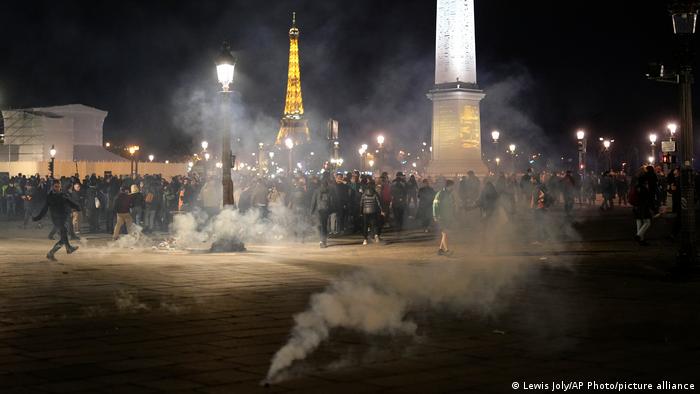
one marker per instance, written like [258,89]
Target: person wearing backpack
[322,205]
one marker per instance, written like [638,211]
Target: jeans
[369,220]
[137,215]
[642,227]
[398,216]
[151,219]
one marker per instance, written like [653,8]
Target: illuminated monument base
[456,131]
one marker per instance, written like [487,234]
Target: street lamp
[107,144]
[672,127]
[151,157]
[652,139]
[380,140]
[651,160]
[205,145]
[495,135]
[225,66]
[511,149]
[581,144]
[684,16]
[606,145]
[52,152]
[134,160]
[289,143]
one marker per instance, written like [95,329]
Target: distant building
[74,130]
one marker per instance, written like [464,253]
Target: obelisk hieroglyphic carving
[456,129]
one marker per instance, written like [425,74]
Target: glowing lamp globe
[225,65]
[652,138]
[289,143]
[580,135]
[52,152]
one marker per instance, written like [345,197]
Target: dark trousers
[369,220]
[398,216]
[323,225]
[63,240]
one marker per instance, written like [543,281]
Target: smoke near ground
[381,300]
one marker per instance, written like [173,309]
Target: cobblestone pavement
[594,306]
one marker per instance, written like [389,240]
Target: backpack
[149,197]
[324,201]
[633,196]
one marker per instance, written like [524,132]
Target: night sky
[547,67]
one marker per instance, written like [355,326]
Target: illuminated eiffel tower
[293,125]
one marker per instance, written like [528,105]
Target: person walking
[58,204]
[444,215]
[643,208]
[138,205]
[371,208]
[122,207]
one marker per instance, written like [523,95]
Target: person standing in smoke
[122,207]
[424,215]
[399,196]
[297,203]
[444,215]
[322,205]
[568,190]
[59,206]
[371,208]
[488,204]
[538,204]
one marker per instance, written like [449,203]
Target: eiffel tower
[293,125]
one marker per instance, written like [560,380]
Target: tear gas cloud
[381,299]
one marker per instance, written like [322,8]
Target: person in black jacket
[399,195]
[59,205]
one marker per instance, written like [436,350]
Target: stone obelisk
[456,129]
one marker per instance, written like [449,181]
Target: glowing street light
[511,148]
[651,160]
[495,135]
[380,140]
[52,152]
[225,66]
[219,164]
[580,135]
[167,162]
[207,156]
[371,163]
[107,144]
[151,157]
[205,145]
[652,138]
[672,127]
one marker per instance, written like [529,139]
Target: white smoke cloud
[378,301]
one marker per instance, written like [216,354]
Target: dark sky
[547,67]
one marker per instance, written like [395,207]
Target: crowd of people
[341,203]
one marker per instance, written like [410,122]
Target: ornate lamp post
[581,144]
[652,139]
[511,149]
[134,160]
[52,165]
[225,66]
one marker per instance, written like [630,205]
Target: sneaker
[51,257]
[72,249]
[364,242]
[440,252]
[323,245]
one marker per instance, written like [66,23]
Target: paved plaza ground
[592,306]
